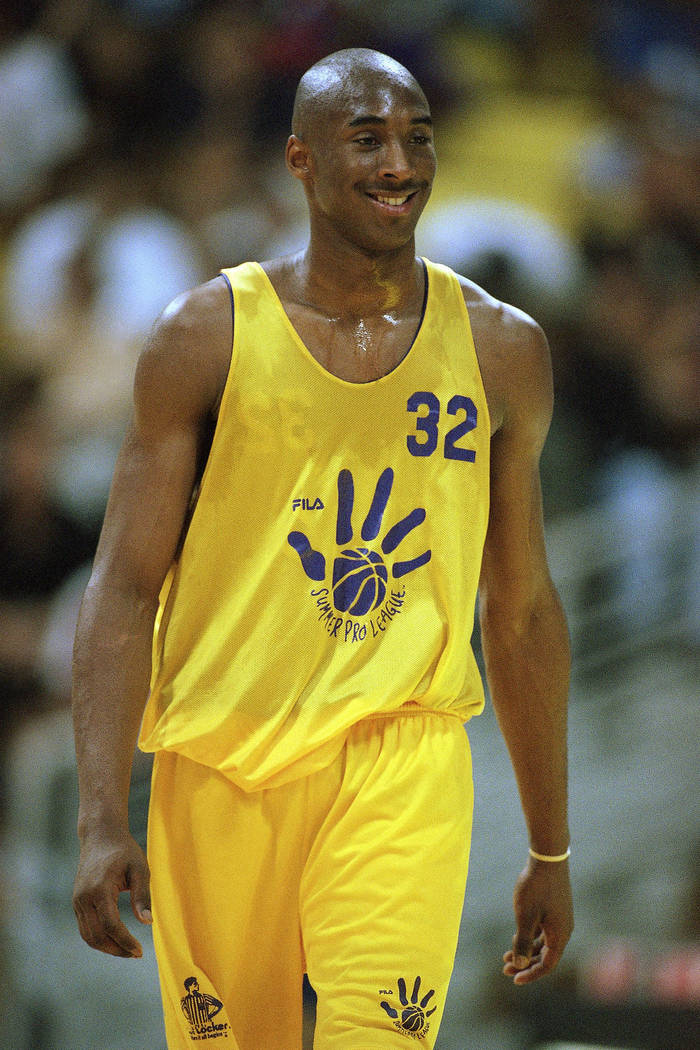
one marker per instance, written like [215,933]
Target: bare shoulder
[514,359]
[283,273]
[185,362]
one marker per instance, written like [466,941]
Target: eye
[366,139]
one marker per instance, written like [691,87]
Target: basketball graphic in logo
[412,1019]
[359,581]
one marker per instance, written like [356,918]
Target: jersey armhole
[233,305]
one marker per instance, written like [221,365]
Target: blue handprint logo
[360,575]
[412,1018]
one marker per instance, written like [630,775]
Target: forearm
[112,662]
[528,676]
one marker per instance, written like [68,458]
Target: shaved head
[342,77]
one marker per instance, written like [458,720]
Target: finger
[537,946]
[115,937]
[511,967]
[108,946]
[110,941]
[139,886]
[524,941]
[540,965]
[101,928]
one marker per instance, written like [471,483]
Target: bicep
[514,568]
[178,381]
[514,562]
[150,494]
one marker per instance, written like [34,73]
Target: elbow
[110,587]
[507,608]
[502,626]
[512,620]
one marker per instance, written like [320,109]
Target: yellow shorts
[355,875]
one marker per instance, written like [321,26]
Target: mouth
[396,203]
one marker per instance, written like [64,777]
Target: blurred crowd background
[141,149]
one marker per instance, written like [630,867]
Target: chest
[357,350]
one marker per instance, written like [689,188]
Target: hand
[544,916]
[110,865]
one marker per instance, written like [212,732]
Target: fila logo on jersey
[308,504]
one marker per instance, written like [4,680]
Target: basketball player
[329,454]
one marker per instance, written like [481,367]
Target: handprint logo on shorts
[412,1018]
[360,575]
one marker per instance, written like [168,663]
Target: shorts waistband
[413,710]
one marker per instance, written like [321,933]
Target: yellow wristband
[550,860]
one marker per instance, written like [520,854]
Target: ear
[298,158]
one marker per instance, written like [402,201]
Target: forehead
[373,95]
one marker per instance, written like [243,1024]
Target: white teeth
[391,200]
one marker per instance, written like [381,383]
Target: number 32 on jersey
[428,428]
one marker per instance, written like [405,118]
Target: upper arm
[179,379]
[514,568]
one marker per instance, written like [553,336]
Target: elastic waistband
[413,710]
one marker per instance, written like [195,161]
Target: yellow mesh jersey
[330,568]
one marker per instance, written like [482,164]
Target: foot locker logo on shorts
[201,1009]
[409,1015]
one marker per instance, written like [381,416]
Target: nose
[395,164]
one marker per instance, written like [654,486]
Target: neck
[349,281]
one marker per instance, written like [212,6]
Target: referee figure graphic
[198,1007]
[331,454]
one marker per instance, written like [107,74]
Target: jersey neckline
[317,364]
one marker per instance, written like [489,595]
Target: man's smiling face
[371,159]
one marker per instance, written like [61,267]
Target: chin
[380,242]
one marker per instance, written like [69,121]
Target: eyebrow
[369,118]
